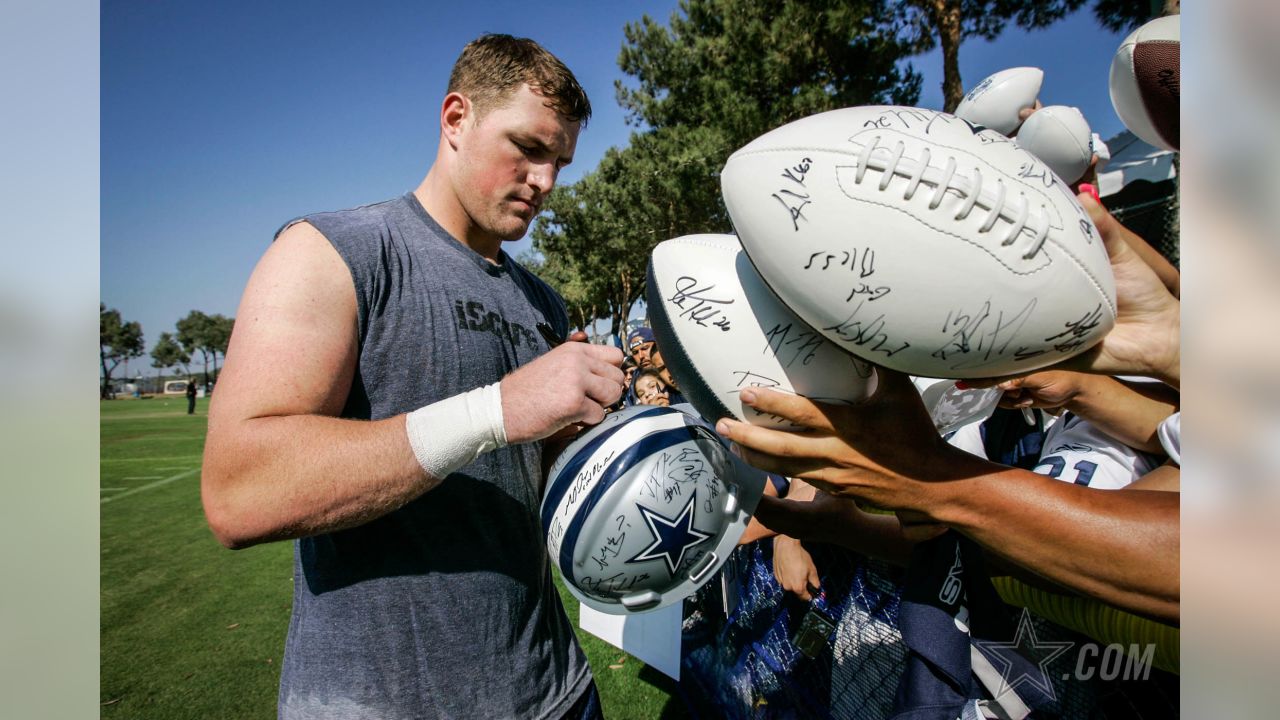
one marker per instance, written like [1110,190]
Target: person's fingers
[591,412]
[603,353]
[791,467]
[1010,400]
[604,391]
[795,408]
[1109,228]
[750,437]
[803,593]
[606,370]
[577,336]
[984,383]
[813,584]
[566,432]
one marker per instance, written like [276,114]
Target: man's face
[643,355]
[508,160]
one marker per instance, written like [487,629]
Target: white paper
[651,637]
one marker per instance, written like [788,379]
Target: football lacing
[1016,210]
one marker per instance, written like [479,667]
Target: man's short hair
[491,67]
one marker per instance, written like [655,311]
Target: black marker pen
[549,335]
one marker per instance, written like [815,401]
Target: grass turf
[192,630]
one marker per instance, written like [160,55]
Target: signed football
[1146,81]
[921,242]
[644,508]
[995,102]
[721,329]
[1060,136]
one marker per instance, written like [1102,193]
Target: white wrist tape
[448,434]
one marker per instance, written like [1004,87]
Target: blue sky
[220,121]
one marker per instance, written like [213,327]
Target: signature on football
[696,304]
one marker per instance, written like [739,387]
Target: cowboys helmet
[644,508]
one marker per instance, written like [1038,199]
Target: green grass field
[192,630]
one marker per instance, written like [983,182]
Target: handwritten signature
[866,333]
[695,304]
[796,172]
[802,344]
[1078,332]
[978,336]
[616,583]
[794,202]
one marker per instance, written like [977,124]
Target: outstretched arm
[1128,412]
[1120,546]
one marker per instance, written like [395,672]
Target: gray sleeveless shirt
[444,608]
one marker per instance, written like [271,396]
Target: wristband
[448,434]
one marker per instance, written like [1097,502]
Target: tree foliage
[168,353]
[720,74]
[1126,15]
[747,66]
[207,335]
[598,232]
[925,24]
[117,341]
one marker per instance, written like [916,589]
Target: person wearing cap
[647,355]
[641,347]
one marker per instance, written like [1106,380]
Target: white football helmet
[644,508]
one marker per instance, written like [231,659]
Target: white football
[994,103]
[1060,136]
[721,329]
[1146,81]
[921,242]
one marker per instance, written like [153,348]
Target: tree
[117,341]
[219,336]
[923,24]
[598,233]
[207,335]
[745,67]
[1126,15]
[167,353]
[724,72]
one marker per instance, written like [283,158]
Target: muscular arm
[1119,546]
[278,464]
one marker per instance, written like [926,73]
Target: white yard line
[146,477]
[149,486]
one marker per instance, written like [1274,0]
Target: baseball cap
[639,336]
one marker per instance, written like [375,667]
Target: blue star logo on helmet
[671,537]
